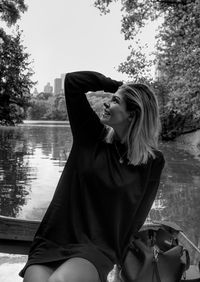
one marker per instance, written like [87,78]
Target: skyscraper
[48,88]
[63,80]
[57,85]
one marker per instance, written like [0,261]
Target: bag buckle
[155,253]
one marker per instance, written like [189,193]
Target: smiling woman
[99,202]
[133,117]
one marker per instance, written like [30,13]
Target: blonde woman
[107,186]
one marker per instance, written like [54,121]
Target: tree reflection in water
[179,192]
[23,150]
[14,171]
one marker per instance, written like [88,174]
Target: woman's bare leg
[37,273]
[75,270]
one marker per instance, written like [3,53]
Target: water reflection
[31,161]
[14,172]
[32,158]
[179,192]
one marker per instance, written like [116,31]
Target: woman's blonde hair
[142,136]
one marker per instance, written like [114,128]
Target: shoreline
[190,142]
[45,122]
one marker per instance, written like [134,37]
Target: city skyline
[56,88]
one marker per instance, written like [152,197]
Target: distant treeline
[47,106]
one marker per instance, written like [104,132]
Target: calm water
[32,158]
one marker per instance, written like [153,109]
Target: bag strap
[187,259]
[155,272]
[155,265]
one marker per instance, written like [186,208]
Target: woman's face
[115,113]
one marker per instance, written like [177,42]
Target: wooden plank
[14,247]
[17,229]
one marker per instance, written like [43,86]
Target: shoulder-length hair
[142,135]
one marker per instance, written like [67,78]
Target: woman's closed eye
[115,99]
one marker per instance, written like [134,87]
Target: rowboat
[16,236]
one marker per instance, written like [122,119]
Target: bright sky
[69,35]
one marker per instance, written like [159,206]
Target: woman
[107,186]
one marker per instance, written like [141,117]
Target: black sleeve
[149,194]
[85,124]
[157,166]
[150,191]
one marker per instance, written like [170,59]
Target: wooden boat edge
[17,229]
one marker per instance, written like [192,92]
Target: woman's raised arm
[85,124]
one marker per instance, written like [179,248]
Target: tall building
[57,85]
[63,80]
[48,88]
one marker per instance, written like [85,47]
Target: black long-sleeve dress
[99,202]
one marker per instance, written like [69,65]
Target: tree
[97,99]
[15,82]
[178,53]
[47,107]
[177,56]
[37,109]
[10,11]
[44,96]
[135,15]
[15,71]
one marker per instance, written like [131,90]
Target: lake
[32,157]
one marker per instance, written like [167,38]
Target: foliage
[177,56]
[135,15]
[45,106]
[96,100]
[15,70]
[15,82]
[137,65]
[10,10]
[44,96]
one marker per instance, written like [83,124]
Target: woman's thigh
[75,270]
[37,273]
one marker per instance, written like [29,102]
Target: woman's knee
[75,270]
[37,273]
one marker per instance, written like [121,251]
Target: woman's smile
[106,113]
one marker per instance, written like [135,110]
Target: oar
[191,243]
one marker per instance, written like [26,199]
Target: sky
[64,35]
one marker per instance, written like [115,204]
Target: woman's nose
[106,105]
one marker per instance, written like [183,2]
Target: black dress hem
[101,262]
